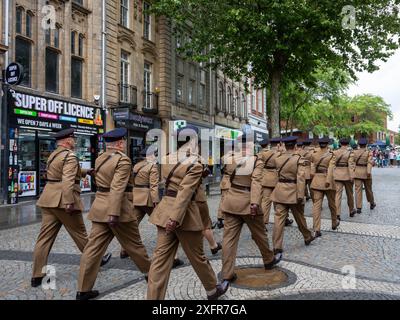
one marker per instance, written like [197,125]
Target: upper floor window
[28,24]
[80,45]
[259,100]
[80,2]
[51,70]
[124,13]
[48,36]
[57,37]
[221,96]
[229,100]
[235,102]
[146,21]
[253,99]
[23,55]
[73,40]
[243,106]
[18,21]
[125,68]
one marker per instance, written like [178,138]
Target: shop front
[138,125]
[33,120]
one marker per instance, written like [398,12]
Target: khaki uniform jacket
[185,180]
[363,163]
[63,166]
[284,192]
[114,174]
[226,159]
[145,173]
[344,167]
[307,153]
[323,160]
[248,174]
[270,175]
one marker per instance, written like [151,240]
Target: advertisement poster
[86,183]
[27,183]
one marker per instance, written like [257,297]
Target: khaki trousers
[266,203]
[220,214]
[52,220]
[368,191]
[281,213]
[163,259]
[308,189]
[348,186]
[232,229]
[100,237]
[318,198]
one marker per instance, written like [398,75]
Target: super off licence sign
[14,73]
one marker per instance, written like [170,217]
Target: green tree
[327,83]
[272,41]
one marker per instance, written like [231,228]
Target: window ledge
[77,57]
[54,49]
[20,36]
[80,8]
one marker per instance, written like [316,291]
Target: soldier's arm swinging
[70,169]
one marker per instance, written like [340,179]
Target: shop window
[51,70]
[23,56]
[76,77]
[147,21]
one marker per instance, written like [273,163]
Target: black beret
[275,140]
[115,135]
[324,140]
[64,134]
[344,141]
[264,142]
[307,142]
[289,140]
[299,143]
[363,142]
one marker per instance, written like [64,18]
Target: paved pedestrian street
[358,261]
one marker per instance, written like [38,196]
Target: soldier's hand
[300,200]
[327,184]
[70,208]
[206,172]
[113,221]
[253,210]
[368,175]
[91,172]
[171,226]
[155,204]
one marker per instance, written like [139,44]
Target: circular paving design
[259,278]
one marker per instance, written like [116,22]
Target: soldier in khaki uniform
[322,167]
[289,194]
[224,184]
[112,214]
[145,182]
[344,176]
[242,205]
[306,152]
[270,176]
[362,174]
[60,203]
[178,220]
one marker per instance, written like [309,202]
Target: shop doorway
[136,145]
[46,145]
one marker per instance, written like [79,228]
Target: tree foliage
[285,39]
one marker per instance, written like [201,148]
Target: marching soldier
[145,188]
[270,177]
[179,220]
[60,203]
[242,205]
[344,176]
[322,184]
[111,214]
[289,194]
[306,152]
[362,174]
[224,184]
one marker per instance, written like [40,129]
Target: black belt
[287,181]
[322,171]
[236,186]
[142,186]
[342,165]
[171,193]
[101,189]
[58,181]
[362,165]
[270,168]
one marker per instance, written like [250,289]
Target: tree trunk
[276,78]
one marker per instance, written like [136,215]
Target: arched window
[235,103]
[220,97]
[81,44]
[229,100]
[18,20]
[28,24]
[243,108]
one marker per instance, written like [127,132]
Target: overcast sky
[385,83]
